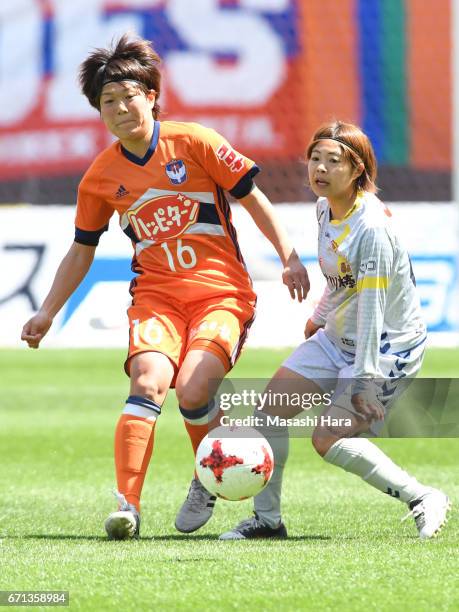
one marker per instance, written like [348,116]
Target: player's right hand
[311,329]
[367,409]
[36,328]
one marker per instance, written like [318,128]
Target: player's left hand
[295,276]
[370,411]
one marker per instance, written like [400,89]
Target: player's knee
[148,387]
[322,440]
[193,394]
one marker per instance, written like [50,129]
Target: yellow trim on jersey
[373,282]
[344,234]
[355,207]
[341,259]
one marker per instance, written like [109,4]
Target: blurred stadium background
[264,73]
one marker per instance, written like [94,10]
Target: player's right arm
[318,318]
[71,271]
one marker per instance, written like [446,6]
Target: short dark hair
[130,59]
[356,147]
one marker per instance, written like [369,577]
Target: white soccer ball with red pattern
[234,462]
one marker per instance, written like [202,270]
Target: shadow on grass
[212,537]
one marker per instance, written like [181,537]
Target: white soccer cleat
[125,523]
[196,509]
[430,513]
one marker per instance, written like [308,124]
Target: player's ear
[359,170]
[151,97]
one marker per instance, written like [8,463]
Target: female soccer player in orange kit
[192,299]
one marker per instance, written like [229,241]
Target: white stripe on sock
[207,418]
[140,411]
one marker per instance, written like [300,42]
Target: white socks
[356,455]
[268,502]
[363,458]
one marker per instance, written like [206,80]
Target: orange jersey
[172,207]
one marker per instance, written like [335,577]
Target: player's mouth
[321,183]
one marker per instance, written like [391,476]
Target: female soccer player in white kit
[365,339]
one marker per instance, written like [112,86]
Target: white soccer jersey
[370,305]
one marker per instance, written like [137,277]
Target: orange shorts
[162,324]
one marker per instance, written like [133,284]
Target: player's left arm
[261,210]
[376,263]
[234,172]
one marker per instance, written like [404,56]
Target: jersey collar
[357,204]
[141,161]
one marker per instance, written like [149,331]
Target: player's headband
[118,79]
[341,141]
[101,79]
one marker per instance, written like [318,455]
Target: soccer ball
[234,462]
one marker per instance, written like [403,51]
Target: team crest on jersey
[176,171]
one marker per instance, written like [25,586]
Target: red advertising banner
[234,65]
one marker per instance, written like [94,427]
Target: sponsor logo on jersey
[176,171]
[121,192]
[233,160]
[339,282]
[164,217]
[368,265]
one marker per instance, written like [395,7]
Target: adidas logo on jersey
[122,191]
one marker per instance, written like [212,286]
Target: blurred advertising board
[34,239]
[264,73]
[238,84]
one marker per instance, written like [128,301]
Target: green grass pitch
[347,548]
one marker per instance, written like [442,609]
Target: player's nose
[122,108]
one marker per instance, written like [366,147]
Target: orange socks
[199,422]
[196,433]
[134,437]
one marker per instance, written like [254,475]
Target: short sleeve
[226,166]
[93,212]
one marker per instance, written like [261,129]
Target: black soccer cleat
[254,528]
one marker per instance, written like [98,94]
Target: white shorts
[321,361]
